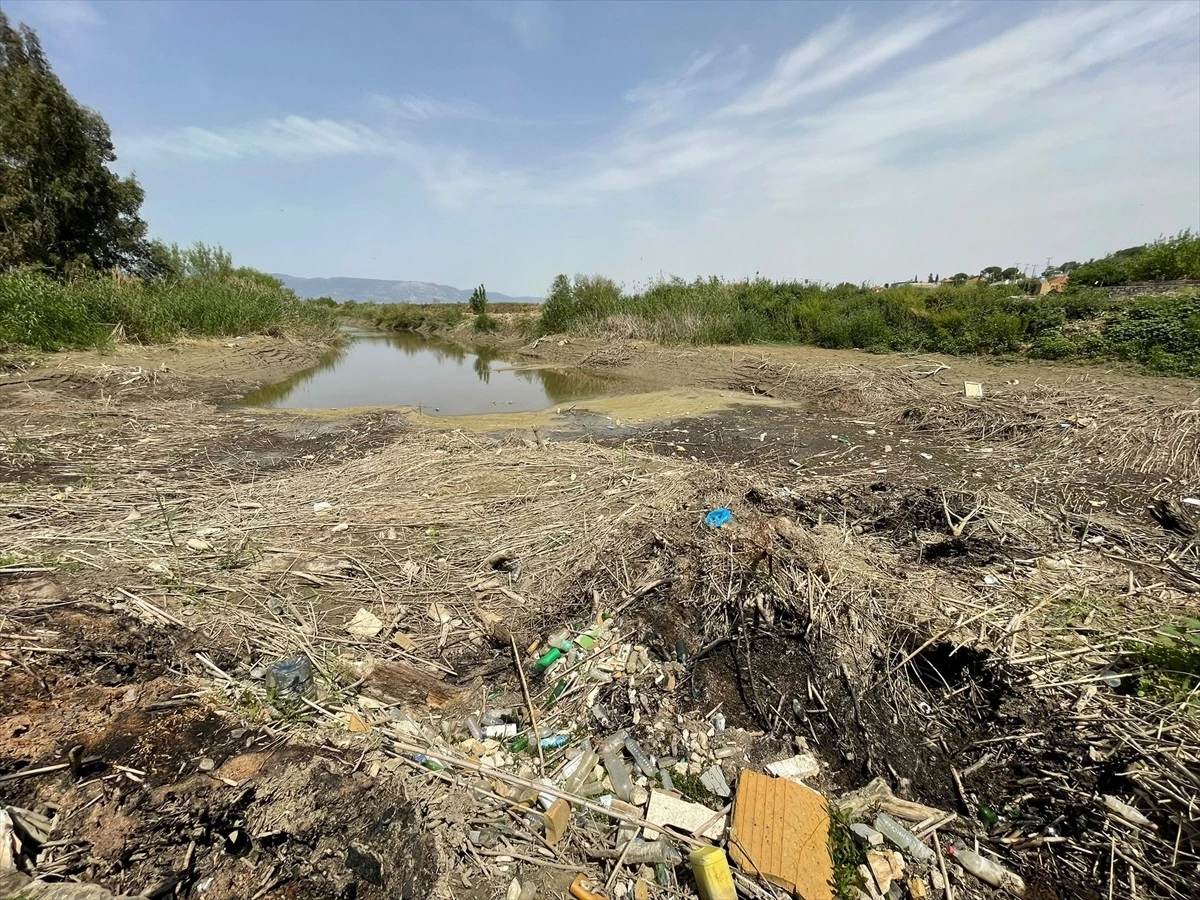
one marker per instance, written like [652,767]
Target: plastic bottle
[681,650]
[650,852]
[501,731]
[989,871]
[472,724]
[600,712]
[290,679]
[612,743]
[619,775]
[554,741]
[1127,812]
[902,838]
[549,658]
[558,638]
[711,871]
[431,764]
[557,692]
[519,743]
[495,716]
[667,783]
[639,756]
[725,752]
[578,770]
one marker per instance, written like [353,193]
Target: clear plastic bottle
[650,852]
[578,770]
[902,838]
[639,756]
[612,743]
[989,871]
[472,724]
[619,775]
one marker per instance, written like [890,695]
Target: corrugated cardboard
[781,830]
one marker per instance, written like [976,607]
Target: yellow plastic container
[711,871]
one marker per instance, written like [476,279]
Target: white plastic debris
[339,528]
[323,506]
[714,780]
[799,767]
[365,624]
[665,809]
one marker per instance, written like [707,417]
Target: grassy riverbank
[40,312]
[1160,332]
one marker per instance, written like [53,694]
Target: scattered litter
[198,544]
[780,830]
[365,624]
[1192,501]
[718,517]
[323,506]
[666,809]
[290,679]
[1127,812]
[714,780]
[339,528]
[926,456]
[797,768]
[988,871]
[972,389]
[711,871]
[900,836]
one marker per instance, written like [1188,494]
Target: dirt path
[961,597]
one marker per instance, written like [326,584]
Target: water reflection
[405,369]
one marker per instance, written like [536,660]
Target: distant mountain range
[377,290]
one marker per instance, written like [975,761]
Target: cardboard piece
[780,830]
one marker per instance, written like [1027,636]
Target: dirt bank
[961,597]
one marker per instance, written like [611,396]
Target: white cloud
[419,108]
[292,137]
[1077,127]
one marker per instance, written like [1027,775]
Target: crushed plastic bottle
[554,741]
[667,782]
[639,756]
[578,770]
[291,678]
[619,776]
[547,659]
[902,838]
[988,871]
[600,714]
[650,852]
[1128,813]
[431,764]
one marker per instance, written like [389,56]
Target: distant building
[1055,285]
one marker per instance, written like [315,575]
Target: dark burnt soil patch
[254,444]
[172,797]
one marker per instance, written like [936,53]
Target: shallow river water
[376,368]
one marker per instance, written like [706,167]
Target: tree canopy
[61,207]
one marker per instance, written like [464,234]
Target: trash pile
[591,779]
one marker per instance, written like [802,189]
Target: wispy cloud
[419,108]
[1062,110]
[291,137]
[794,76]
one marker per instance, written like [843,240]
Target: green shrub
[485,324]
[1158,333]
[38,311]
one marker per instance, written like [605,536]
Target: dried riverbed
[957,596]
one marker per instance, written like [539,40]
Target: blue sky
[503,143]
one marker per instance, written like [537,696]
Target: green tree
[961,278]
[478,301]
[991,273]
[1012,273]
[60,204]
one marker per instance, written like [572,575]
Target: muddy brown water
[377,368]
